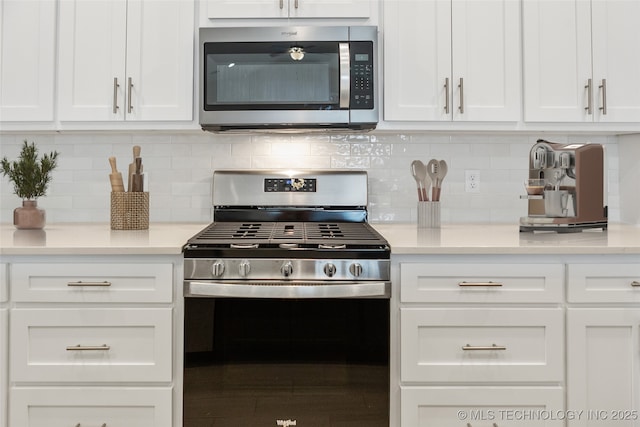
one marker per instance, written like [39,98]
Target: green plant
[30,177]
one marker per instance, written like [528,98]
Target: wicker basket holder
[130,210]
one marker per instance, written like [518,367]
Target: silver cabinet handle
[589,106]
[88,347]
[296,4]
[81,283]
[115,95]
[103,425]
[603,86]
[635,284]
[345,75]
[461,86]
[281,4]
[471,284]
[483,347]
[129,103]
[446,95]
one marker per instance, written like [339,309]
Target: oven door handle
[277,290]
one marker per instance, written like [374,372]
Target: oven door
[286,289]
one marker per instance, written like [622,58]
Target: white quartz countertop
[507,239]
[96,239]
[169,238]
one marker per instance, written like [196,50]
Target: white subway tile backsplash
[179,168]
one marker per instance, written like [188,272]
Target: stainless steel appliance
[294,285]
[261,78]
[566,188]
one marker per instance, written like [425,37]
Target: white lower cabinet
[91,341]
[603,343]
[91,345]
[94,407]
[481,406]
[603,376]
[462,345]
[481,342]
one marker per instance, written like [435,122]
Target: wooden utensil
[432,171]
[117,186]
[416,172]
[137,179]
[132,166]
[442,172]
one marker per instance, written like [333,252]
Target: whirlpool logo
[286,423]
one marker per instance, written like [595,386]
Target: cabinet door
[288,9]
[27,62]
[91,77]
[616,59]
[417,64]
[247,9]
[68,407]
[486,82]
[159,60]
[329,8]
[603,362]
[557,60]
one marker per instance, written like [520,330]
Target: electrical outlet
[472,181]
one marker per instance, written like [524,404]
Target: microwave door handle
[345,75]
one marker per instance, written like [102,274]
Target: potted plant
[30,178]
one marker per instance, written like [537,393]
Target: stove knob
[287,269]
[355,269]
[218,268]
[244,268]
[329,269]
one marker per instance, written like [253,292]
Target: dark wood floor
[312,394]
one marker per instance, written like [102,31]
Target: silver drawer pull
[81,283]
[103,425]
[469,284]
[483,347]
[635,284]
[79,347]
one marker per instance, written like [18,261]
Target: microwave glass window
[307,77]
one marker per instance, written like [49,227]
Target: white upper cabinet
[452,60]
[288,9]
[126,60]
[27,60]
[581,61]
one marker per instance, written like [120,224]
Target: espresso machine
[566,188]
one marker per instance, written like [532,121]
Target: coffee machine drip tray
[558,225]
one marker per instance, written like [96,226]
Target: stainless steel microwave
[262,78]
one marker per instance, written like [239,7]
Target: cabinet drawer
[91,407]
[4,287]
[94,282]
[493,283]
[91,345]
[481,406]
[604,283]
[457,345]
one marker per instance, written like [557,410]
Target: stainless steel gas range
[289,288]
[285,234]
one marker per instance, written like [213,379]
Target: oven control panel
[288,185]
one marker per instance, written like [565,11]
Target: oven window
[316,362]
[271,76]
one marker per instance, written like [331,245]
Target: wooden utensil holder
[130,210]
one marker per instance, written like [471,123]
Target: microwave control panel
[361,75]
